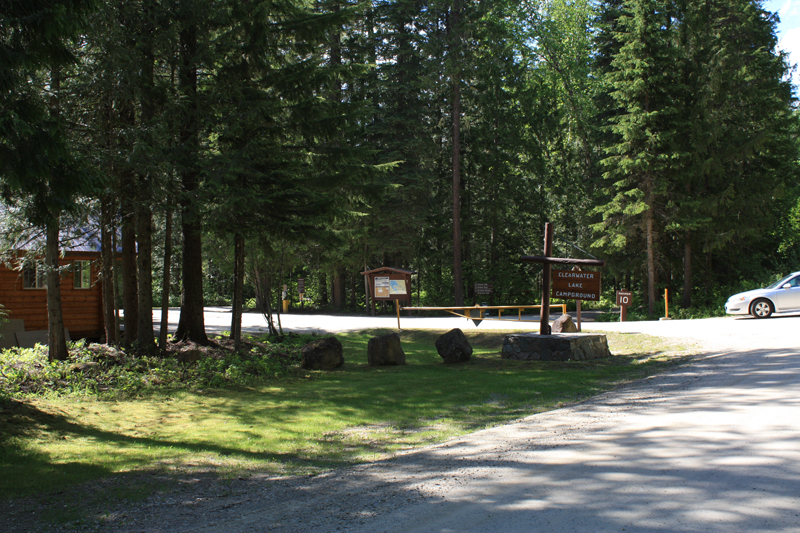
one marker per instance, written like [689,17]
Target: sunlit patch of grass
[308,424]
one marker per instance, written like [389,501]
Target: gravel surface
[711,446]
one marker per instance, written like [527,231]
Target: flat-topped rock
[385,350]
[559,347]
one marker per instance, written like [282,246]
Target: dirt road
[713,446]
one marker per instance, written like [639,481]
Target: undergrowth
[111,372]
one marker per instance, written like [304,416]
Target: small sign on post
[624,299]
[483,289]
[301,290]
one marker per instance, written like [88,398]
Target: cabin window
[33,278]
[82,274]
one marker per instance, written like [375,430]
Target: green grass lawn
[307,424]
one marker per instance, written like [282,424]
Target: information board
[382,287]
[397,287]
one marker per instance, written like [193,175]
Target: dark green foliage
[700,145]
[322,134]
[38,164]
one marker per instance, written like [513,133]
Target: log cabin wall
[82,307]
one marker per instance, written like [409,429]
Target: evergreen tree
[40,169]
[637,161]
[737,154]
[284,167]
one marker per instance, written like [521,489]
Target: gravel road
[712,446]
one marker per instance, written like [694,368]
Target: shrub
[95,369]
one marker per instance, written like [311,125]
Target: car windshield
[780,282]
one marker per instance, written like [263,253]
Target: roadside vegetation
[230,414]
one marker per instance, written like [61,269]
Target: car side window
[794,282]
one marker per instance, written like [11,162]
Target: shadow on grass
[23,471]
[371,411]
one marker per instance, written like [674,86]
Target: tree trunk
[130,302]
[166,280]
[144,267]
[263,286]
[107,258]
[55,319]
[144,211]
[57,350]
[191,325]
[455,47]
[115,284]
[338,290]
[370,310]
[493,208]
[467,272]
[687,273]
[108,232]
[238,290]
[651,261]
[493,259]
[323,289]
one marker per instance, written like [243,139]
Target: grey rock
[454,347]
[324,354]
[385,350]
[564,324]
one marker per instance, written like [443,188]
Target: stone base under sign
[569,347]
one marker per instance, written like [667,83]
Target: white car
[780,297]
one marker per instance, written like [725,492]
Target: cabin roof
[75,237]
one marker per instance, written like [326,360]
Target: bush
[95,369]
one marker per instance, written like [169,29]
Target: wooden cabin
[23,294]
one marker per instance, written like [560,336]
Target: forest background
[227,148]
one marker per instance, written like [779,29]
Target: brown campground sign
[576,285]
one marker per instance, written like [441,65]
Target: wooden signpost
[548,262]
[483,289]
[624,299]
[301,290]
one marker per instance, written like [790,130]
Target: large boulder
[324,354]
[453,347]
[564,324]
[385,350]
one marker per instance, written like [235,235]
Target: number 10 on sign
[624,299]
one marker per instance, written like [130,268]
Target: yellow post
[397,306]
[666,303]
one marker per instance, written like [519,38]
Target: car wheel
[762,309]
